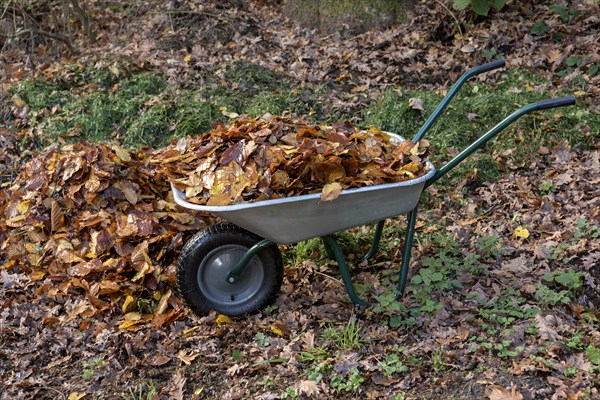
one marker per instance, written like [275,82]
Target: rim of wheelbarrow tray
[179,199]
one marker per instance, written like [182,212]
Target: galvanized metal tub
[297,218]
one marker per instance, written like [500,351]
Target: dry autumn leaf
[500,393]
[331,191]
[521,232]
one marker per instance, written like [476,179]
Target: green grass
[486,105]
[140,108]
[117,100]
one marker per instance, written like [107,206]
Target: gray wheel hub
[212,275]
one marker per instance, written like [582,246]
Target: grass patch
[476,109]
[118,102]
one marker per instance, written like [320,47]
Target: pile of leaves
[273,157]
[91,217]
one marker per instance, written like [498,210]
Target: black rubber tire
[207,258]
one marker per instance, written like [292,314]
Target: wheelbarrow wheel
[210,255]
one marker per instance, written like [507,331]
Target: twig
[50,35]
[453,16]
[85,20]
[330,277]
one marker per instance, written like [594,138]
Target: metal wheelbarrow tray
[294,219]
[236,268]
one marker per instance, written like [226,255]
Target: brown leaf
[500,393]
[159,361]
[416,104]
[56,216]
[307,387]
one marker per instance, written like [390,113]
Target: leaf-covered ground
[503,295]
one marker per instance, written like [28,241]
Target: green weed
[261,339]
[481,7]
[349,383]
[392,365]
[314,354]
[91,367]
[508,308]
[347,338]
[585,229]
[142,392]
[290,393]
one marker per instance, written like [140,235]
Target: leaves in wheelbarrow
[274,157]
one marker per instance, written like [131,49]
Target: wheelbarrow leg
[375,240]
[333,248]
[410,234]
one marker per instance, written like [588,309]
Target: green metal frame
[332,247]
[235,273]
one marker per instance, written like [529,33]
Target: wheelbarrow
[236,267]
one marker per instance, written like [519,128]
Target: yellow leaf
[528,88]
[223,319]
[228,113]
[129,324]
[342,77]
[522,232]
[133,316]
[331,191]
[187,58]
[76,396]
[37,275]
[280,328]
[128,300]
[163,303]
[23,206]
[19,102]
[580,93]
[121,152]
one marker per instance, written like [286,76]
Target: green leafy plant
[92,366]
[392,365]
[564,12]
[547,296]
[508,308]
[539,28]
[593,354]
[488,246]
[290,393]
[261,339]
[481,7]
[492,54]
[505,349]
[570,279]
[317,372]
[350,382]
[585,229]
[547,187]
[573,64]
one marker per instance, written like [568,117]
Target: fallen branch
[50,35]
